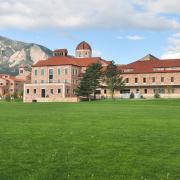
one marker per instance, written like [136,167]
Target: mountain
[14,53]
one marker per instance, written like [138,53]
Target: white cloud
[70,14]
[173,50]
[176,35]
[135,38]
[131,38]
[160,6]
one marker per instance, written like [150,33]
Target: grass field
[97,140]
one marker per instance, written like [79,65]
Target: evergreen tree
[113,79]
[90,81]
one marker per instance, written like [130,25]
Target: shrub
[132,95]
[21,94]
[15,95]
[156,95]
[8,97]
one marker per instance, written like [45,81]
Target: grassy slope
[98,140]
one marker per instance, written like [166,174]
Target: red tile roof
[149,66]
[66,60]
[83,45]
[16,79]
[12,78]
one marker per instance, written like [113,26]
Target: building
[55,79]
[151,75]
[9,85]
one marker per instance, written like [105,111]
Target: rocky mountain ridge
[15,53]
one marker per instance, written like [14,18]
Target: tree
[84,88]
[113,79]
[90,81]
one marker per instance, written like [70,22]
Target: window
[76,72]
[136,80]
[162,79]
[73,71]
[59,71]
[67,91]
[59,81]
[98,91]
[127,80]
[105,91]
[172,79]
[128,70]
[35,72]
[35,82]
[161,90]
[27,91]
[52,91]
[145,91]
[21,71]
[59,91]
[74,91]
[66,71]
[34,91]
[51,75]
[125,91]
[144,80]
[42,81]
[153,79]
[42,72]
[137,90]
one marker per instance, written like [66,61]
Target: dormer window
[128,70]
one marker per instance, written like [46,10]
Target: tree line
[94,75]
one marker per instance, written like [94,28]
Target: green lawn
[98,140]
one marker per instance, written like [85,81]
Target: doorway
[43,93]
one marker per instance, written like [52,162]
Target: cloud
[80,14]
[135,38]
[173,49]
[131,38]
[160,6]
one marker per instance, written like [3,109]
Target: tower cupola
[83,50]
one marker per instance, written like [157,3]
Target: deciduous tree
[113,79]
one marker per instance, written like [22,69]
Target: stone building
[55,79]
[9,85]
[151,75]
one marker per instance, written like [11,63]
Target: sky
[119,30]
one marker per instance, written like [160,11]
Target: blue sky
[117,30]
